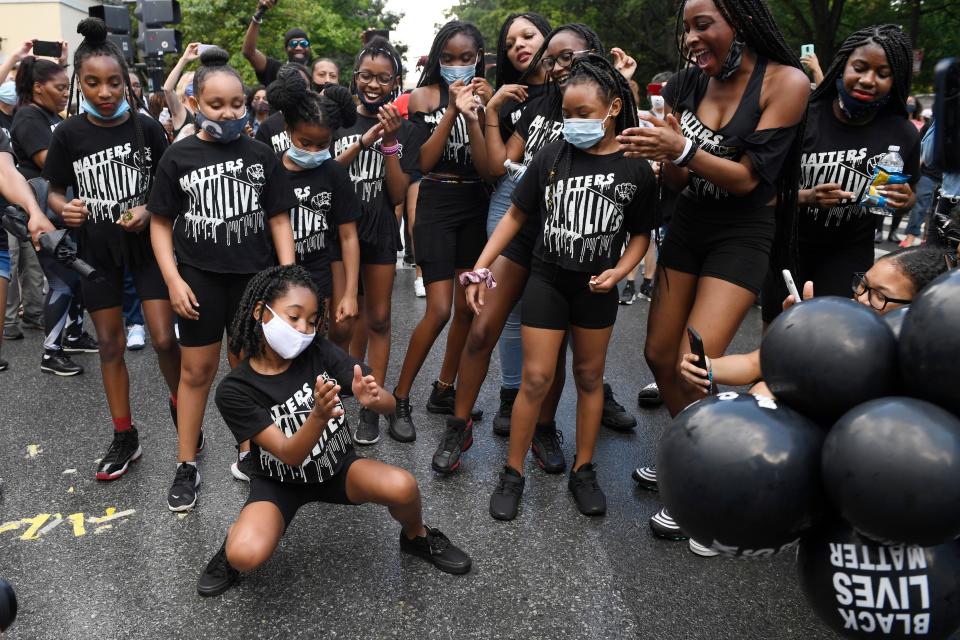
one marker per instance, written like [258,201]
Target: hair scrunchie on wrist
[478,276]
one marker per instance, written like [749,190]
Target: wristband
[255,18]
[689,149]
[478,276]
[390,151]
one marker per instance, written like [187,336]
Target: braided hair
[597,70]
[899,51]
[506,73]
[95,43]
[380,46]
[920,264]
[212,61]
[33,71]
[431,70]
[246,331]
[291,94]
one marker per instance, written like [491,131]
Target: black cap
[294,33]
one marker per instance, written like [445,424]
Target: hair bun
[93,30]
[289,89]
[214,57]
[341,97]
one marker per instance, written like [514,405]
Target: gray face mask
[731,63]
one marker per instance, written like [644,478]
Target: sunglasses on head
[301,42]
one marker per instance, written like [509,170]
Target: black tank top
[457,158]
[766,148]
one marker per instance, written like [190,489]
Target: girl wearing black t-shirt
[451,207]
[108,156]
[587,198]
[327,208]
[856,114]
[284,398]
[220,210]
[380,150]
[730,144]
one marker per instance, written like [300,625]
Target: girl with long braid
[586,197]
[108,156]
[856,114]
[380,151]
[284,398]
[451,207]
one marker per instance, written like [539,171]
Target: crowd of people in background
[530,196]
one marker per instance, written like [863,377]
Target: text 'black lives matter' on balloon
[828,355]
[930,343]
[863,589]
[741,474]
[892,469]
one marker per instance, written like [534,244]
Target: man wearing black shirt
[295,41]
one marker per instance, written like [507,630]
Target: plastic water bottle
[891,162]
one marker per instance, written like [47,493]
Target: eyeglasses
[304,43]
[383,79]
[876,298]
[564,59]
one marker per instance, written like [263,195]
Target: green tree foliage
[334,27]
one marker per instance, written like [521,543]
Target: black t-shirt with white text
[31,132]
[457,156]
[107,172]
[834,151]
[5,147]
[251,402]
[325,200]
[588,211]
[273,133]
[536,129]
[6,122]
[219,197]
[378,225]
[511,111]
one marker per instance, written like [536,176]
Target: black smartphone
[47,49]
[946,114]
[696,348]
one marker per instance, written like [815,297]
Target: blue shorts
[5,264]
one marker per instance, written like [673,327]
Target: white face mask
[285,339]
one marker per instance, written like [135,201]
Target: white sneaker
[701,550]
[419,289]
[136,338]
[235,468]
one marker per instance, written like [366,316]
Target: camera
[56,244]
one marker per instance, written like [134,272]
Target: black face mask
[733,60]
[374,106]
[858,109]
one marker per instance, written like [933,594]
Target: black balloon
[867,590]
[930,343]
[892,469]
[894,319]
[741,474]
[825,356]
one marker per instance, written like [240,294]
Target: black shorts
[369,253]
[556,298]
[729,245]
[520,249]
[289,496]
[451,227]
[218,295]
[107,290]
[830,268]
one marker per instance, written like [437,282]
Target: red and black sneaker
[124,449]
[456,439]
[546,447]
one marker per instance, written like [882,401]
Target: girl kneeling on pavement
[283,397]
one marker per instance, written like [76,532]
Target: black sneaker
[85,343]
[456,439]
[400,423]
[60,364]
[629,293]
[124,449]
[183,493]
[218,575]
[666,527]
[615,416]
[645,477]
[4,365]
[201,440]
[586,491]
[649,397]
[443,400]
[368,431]
[437,548]
[646,290]
[506,497]
[546,448]
[501,421]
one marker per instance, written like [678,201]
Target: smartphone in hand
[791,285]
[696,348]
[806,50]
[47,48]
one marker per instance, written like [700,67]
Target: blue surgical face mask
[451,73]
[308,159]
[8,92]
[119,111]
[583,133]
[223,131]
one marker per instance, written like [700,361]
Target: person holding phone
[295,42]
[586,197]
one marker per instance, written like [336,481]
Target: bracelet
[478,276]
[494,125]
[689,149]
[390,151]
[254,18]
